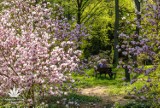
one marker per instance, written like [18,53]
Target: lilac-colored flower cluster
[135,45]
[147,43]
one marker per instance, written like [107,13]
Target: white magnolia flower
[14,92]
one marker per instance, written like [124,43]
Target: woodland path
[108,100]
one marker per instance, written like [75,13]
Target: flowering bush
[37,50]
[147,44]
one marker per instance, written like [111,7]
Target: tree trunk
[127,74]
[115,59]
[157,19]
[79,4]
[138,9]
[68,15]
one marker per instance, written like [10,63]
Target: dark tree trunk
[79,4]
[127,74]
[115,59]
[157,19]
[138,9]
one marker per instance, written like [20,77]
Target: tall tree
[116,26]
[79,8]
[138,13]
[157,6]
[138,21]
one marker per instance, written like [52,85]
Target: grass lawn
[114,86]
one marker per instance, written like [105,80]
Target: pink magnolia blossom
[36,51]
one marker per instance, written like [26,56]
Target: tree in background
[146,45]
[138,21]
[115,59]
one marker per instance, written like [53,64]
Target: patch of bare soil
[108,100]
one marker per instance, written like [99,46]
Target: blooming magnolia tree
[37,51]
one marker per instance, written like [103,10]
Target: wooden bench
[104,70]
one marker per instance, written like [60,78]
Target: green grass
[113,86]
[118,86]
[89,80]
[83,98]
[73,98]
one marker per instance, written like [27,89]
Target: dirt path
[107,99]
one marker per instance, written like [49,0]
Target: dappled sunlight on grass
[107,88]
[113,86]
